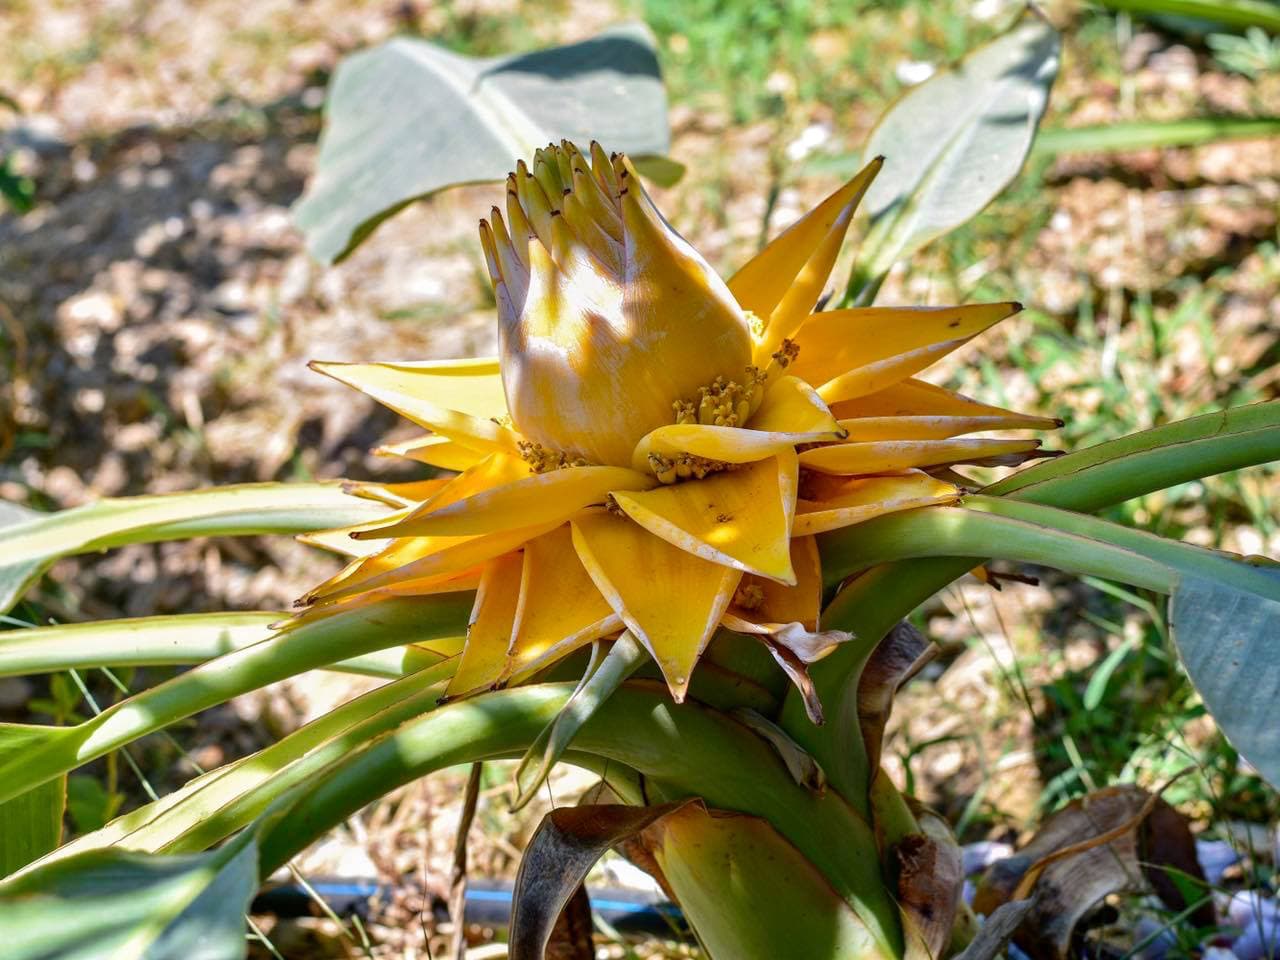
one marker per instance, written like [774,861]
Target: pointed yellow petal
[460,582]
[858,499]
[435,450]
[728,444]
[560,607]
[741,518]
[452,397]
[484,658]
[792,406]
[915,410]
[493,472]
[917,398]
[441,556]
[543,498]
[889,456]
[782,283]
[670,599]
[768,602]
[856,352]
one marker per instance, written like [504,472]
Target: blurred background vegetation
[157,309]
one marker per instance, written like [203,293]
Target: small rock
[1260,939]
[1248,908]
[1161,936]
[1215,857]
[978,856]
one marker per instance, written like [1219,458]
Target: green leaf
[31,825]
[409,118]
[176,640]
[681,750]
[1114,137]
[952,144]
[211,807]
[113,904]
[28,548]
[598,684]
[88,802]
[1150,460]
[1234,13]
[1229,643]
[31,755]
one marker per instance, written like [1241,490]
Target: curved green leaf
[1233,13]
[1151,460]
[51,751]
[1145,135]
[952,144]
[28,548]
[409,118]
[179,640]
[1086,480]
[680,749]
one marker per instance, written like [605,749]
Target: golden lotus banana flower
[654,449]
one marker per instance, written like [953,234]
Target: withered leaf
[1121,839]
[563,849]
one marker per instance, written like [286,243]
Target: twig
[458,879]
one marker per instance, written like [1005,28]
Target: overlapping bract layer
[655,449]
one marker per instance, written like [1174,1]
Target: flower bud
[608,318]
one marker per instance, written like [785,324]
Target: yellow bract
[655,449]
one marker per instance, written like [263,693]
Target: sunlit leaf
[953,143]
[409,118]
[112,904]
[29,547]
[31,825]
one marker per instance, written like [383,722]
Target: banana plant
[677,525]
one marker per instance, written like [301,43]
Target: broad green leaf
[952,144]
[31,825]
[1114,137]
[29,548]
[1233,13]
[409,118]
[113,904]
[1229,643]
